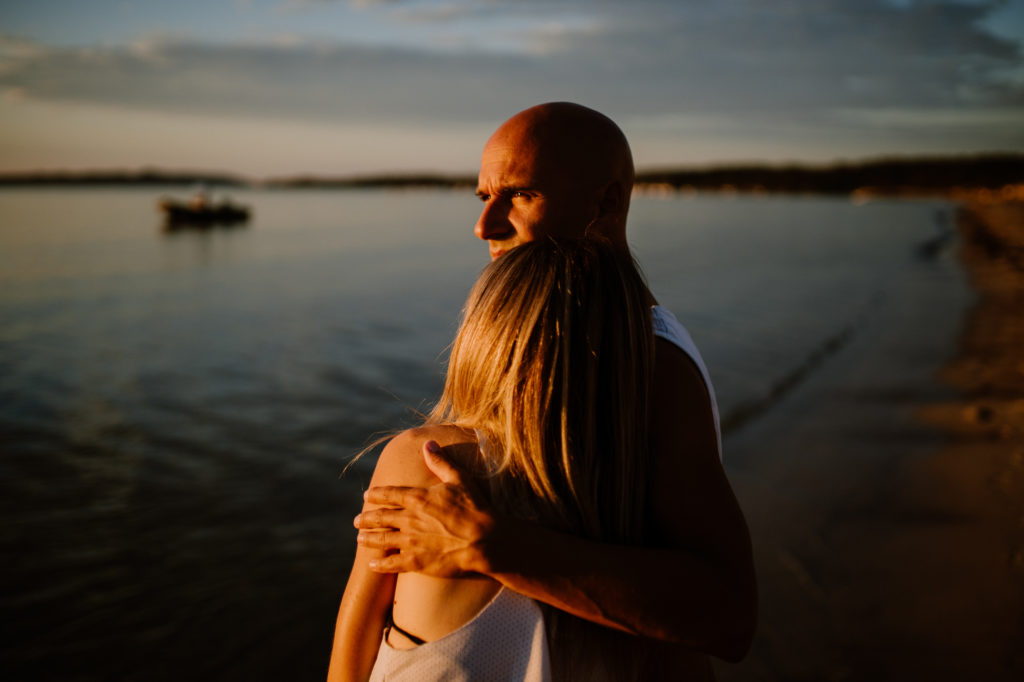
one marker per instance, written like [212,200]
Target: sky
[275,88]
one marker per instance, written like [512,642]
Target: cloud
[741,60]
[281,79]
[14,52]
[436,12]
[785,55]
[299,5]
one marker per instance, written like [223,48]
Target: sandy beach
[885,494]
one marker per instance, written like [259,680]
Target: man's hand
[440,530]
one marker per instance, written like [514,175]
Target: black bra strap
[390,625]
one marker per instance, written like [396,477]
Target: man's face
[526,195]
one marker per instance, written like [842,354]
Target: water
[175,408]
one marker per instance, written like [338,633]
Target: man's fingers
[379,518]
[389,495]
[379,539]
[439,465]
[388,564]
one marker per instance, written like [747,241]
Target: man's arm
[694,585]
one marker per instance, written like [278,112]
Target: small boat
[199,211]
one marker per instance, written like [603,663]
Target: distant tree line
[888,175]
[896,174]
[383,180]
[122,177]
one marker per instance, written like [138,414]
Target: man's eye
[518,194]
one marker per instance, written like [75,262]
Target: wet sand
[885,495]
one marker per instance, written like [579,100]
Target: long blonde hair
[551,365]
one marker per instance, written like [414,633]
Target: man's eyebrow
[502,191]
[509,189]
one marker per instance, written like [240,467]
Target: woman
[545,402]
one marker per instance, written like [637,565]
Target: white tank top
[505,642]
[669,328]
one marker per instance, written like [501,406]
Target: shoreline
[884,496]
[958,177]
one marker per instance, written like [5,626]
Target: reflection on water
[177,406]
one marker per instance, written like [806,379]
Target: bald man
[560,169]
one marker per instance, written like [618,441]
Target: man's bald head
[557,169]
[575,139]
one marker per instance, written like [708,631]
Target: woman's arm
[360,624]
[368,596]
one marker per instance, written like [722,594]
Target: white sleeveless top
[669,328]
[505,642]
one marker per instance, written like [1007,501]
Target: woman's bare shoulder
[401,461]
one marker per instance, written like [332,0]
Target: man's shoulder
[666,326]
[680,372]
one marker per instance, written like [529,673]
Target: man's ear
[610,221]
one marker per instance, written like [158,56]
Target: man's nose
[493,222]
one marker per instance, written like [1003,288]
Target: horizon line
[141,171]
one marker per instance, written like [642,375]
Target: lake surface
[176,407]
